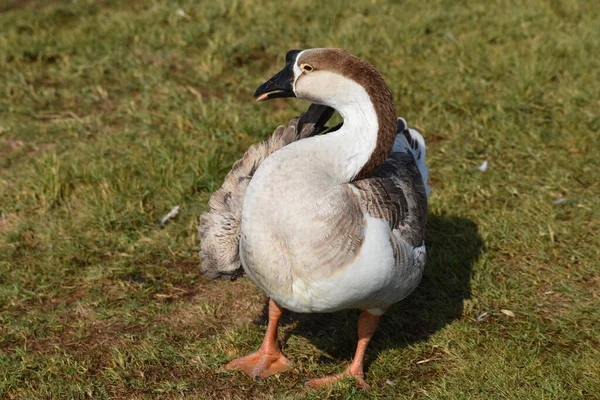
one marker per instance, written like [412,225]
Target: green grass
[113,112]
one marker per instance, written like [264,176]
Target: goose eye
[306,68]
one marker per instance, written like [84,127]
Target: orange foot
[261,364]
[328,380]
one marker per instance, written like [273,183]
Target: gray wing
[219,228]
[395,192]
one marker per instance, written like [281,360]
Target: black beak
[280,85]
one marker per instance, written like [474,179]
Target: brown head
[322,76]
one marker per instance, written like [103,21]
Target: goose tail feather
[410,141]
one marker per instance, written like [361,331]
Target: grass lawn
[113,112]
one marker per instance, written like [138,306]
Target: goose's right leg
[367,324]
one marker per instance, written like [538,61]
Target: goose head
[323,76]
[335,78]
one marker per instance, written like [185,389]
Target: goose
[321,220]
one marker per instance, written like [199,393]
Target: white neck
[344,152]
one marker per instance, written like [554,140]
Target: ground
[113,112]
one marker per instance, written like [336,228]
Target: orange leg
[269,359]
[367,324]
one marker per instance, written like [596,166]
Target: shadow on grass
[453,247]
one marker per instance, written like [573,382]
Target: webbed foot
[328,380]
[261,364]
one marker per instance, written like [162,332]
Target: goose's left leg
[367,324]
[269,359]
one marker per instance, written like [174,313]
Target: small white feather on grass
[481,316]
[170,215]
[483,167]
[182,13]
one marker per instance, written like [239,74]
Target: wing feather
[396,193]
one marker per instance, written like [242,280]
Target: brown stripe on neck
[383,102]
[349,66]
